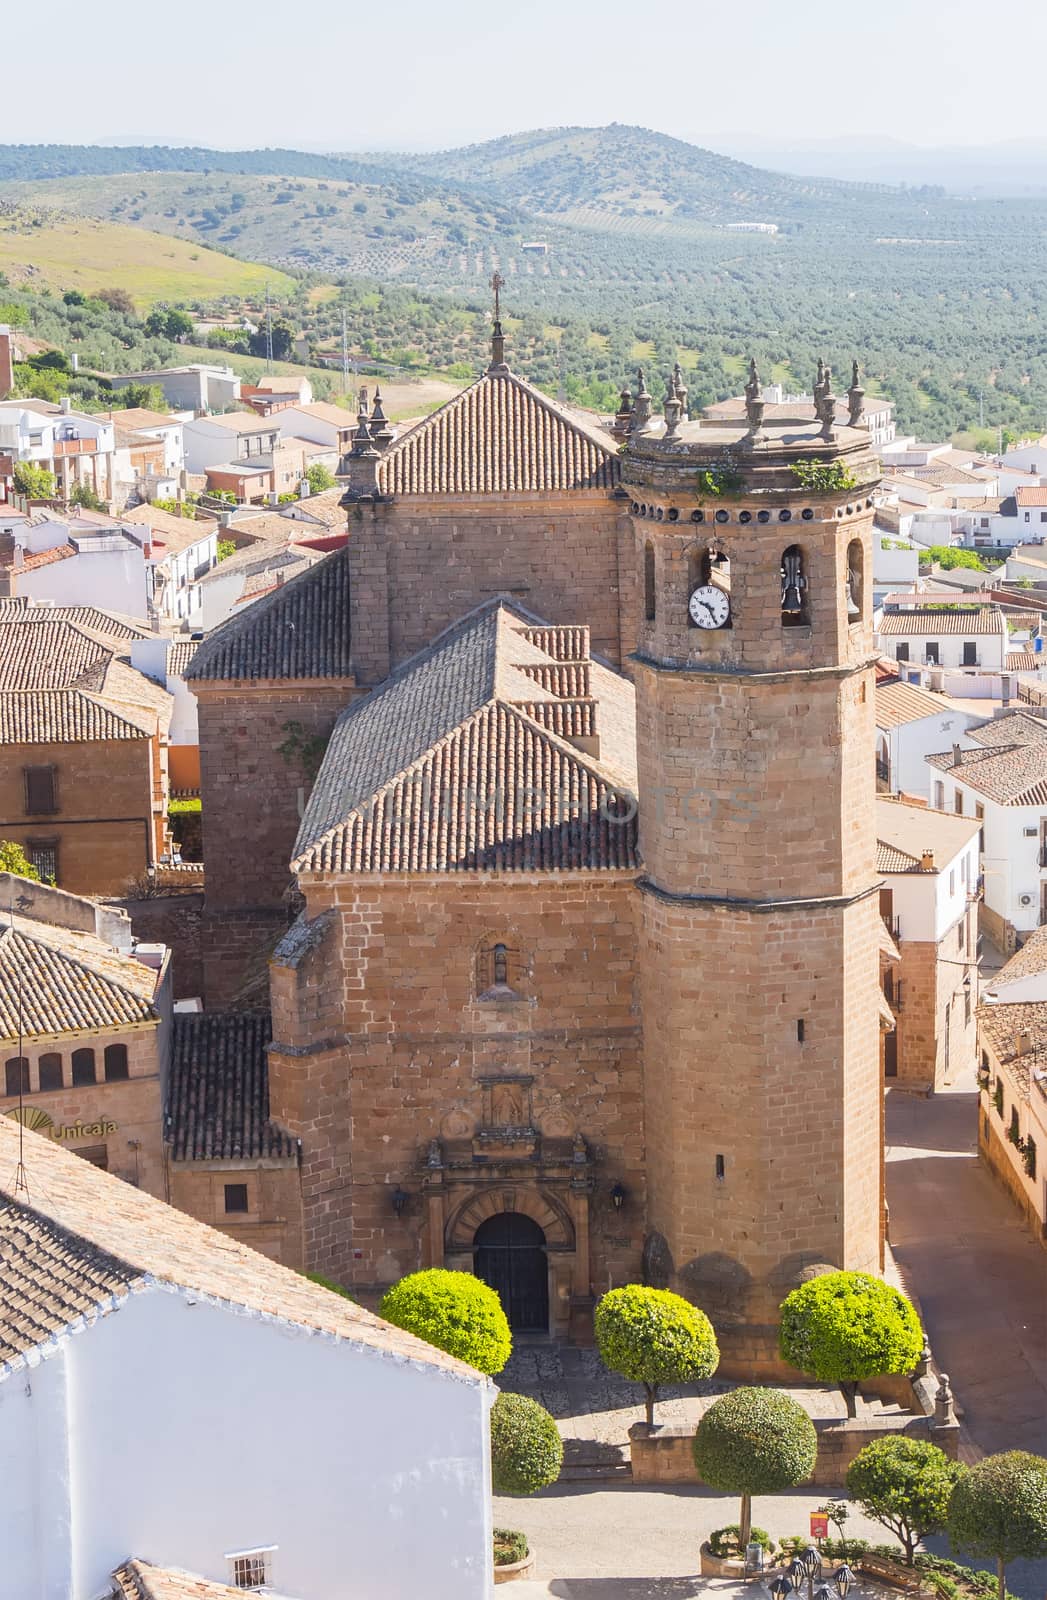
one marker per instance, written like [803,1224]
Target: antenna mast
[268,331]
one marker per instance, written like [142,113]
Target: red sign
[819,1525]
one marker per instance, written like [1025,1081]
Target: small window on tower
[794,589]
[235,1198]
[855,581]
[650,608]
[721,1169]
[800,1030]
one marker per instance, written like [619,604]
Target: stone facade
[934,1016]
[389,1035]
[117,1125]
[109,825]
[272,1221]
[567,557]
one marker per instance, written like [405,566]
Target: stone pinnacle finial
[681,390]
[754,404]
[671,408]
[819,382]
[642,404]
[855,397]
[825,403]
[497,336]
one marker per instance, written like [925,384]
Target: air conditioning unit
[1025,899]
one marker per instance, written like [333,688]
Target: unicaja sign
[39,1121]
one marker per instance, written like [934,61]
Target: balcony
[75,447]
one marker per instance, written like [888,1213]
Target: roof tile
[218,1093]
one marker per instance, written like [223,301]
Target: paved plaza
[982,1285]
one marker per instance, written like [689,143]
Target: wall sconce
[399,1198]
[618,1194]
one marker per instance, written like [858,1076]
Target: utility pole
[981,407]
[268,332]
[345,356]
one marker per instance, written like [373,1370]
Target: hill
[628,171]
[46,248]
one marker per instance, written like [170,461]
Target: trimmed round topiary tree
[906,1484]
[754,1441]
[526,1448]
[454,1311]
[846,1326]
[999,1509]
[652,1336]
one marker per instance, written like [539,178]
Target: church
[543,812]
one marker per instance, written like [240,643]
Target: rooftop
[301,630]
[500,436]
[111,625]
[218,1094]
[84,1240]
[913,838]
[1031,494]
[969,621]
[236,422]
[140,1580]
[1010,763]
[68,982]
[137,417]
[473,756]
[898,702]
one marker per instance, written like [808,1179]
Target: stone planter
[711,1566]
[515,1569]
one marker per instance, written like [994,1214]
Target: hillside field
[62,252]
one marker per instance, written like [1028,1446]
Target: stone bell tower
[760,922]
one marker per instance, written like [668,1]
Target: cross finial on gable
[497,337]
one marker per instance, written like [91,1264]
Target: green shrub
[905,1484]
[652,1336]
[846,1326]
[727,1541]
[526,1448]
[13,859]
[823,477]
[999,1509]
[754,1441]
[455,1312]
[509,1545]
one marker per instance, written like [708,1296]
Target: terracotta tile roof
[1014,727]
[32,559]
[898,702]
[446,767]
[48,1279]
[50,655]
[1031,495]
[988,619]
[499,436]
[300,631]
[218,1093]
[173,532]
[179,656]
[904,832]
[110,625]
[66,716]
[1001,1025]
[325,507]
[68,982]
[117,1238]
[140,1580]
[1024,661]
[1026,962]
[238,422]
[1011,766]
[139,417]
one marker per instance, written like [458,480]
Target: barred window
[251,1569]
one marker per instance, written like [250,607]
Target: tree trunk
[650,1396]
[850,1395]
[1001,1579]
[745,1521]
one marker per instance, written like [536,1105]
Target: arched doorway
[509,1254]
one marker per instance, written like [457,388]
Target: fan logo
[38,1121]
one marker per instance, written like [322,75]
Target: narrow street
[980,1276]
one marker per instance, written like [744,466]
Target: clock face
[709,607]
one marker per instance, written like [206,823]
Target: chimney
[7,368]
[956,755]
[66,405]
[927,861]
[11,558]
[1023,1044]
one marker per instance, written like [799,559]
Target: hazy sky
[432,73]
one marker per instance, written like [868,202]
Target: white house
[328,425]
[1012,1040]
[71,560]
[928,862]
[912,724]
[896,564]
[182,550]
[155,425]
[239,436]
[198,386]
[1030,456]
[168,1394]
[75,447]
[952,636]
[997,772]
